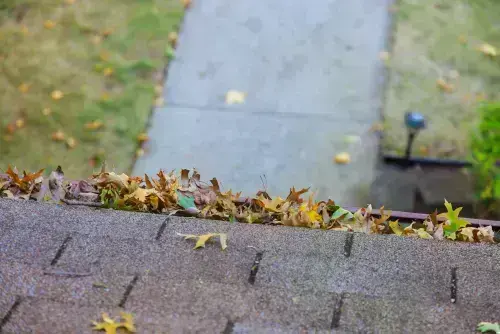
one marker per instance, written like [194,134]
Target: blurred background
[262,94]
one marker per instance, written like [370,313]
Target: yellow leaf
[107,71]
[274,205]
[46,111]
[20,123]
[423,234]
[94,125]
[139,152]
[172,38]
[96,39]
[58,136]
[488,49]
[110,326]
[24,88]
[445,86]
[201,240]
[104,55]
[235,97]
[57,95]
[71,142]
[395,227]
[159,101]
[342,158]
[142,137]
[49,24]
[158,89]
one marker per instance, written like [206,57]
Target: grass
[438,39]
[104,56]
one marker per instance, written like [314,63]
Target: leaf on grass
[110,326]
[201,240]
[488,49]
[485,327]
[235,97]
[107,71]
[58,136]
[24,87]
[445,86]
[186,3]
[169,52]
[57,95]
[142,137]
[172,38]
[20,123]
[49,24]
[94,125]
[71,142]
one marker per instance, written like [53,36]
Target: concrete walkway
[61,266]
[312,74]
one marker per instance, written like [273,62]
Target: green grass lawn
[105,58]
[439,39]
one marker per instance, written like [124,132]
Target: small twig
[75,202]
[66,273]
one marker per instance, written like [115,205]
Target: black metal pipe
[404,162]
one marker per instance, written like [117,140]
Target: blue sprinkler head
[414,120]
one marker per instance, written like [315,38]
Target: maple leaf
[453,223]
[110,326]
[201,240]
[485,327]
[276,204]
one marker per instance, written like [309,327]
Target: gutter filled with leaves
[187,195]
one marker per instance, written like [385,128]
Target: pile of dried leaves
[186,194]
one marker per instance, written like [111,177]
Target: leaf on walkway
[342,158]
[201,240]
[235,97]
[110,326]
[485,327]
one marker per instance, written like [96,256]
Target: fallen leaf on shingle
[488,49]
[201,240]
[110,326]
[235,97]
[57,95]
[94,125]
[342,158]
[444,86]
[24,88]
[49,24]
[58,136]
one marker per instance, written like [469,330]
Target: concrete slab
[293,58]
[289,150]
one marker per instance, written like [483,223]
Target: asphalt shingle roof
[62,266]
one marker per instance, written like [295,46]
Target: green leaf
[423,234]
[342,214]
[484,327]
[454,223]
[169,52]
[185,202]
